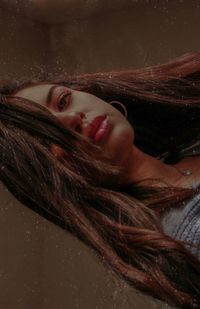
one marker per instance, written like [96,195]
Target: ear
[60,154]
[57,151]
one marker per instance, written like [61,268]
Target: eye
[63,100]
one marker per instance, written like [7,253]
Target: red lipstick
[94,125]
[103,131]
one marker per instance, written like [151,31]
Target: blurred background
[41,266]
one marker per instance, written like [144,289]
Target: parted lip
[93,127]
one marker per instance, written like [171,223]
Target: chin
[120,147]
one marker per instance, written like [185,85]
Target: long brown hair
[122,224]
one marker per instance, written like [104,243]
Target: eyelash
[63,97]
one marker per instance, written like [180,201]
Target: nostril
[82,115]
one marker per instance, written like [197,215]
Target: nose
[73,120]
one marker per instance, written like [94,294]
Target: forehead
[36,93]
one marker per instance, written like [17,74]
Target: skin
[80,108]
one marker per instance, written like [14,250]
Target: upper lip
[93,127]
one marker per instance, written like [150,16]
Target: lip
[94,126]
[103,131]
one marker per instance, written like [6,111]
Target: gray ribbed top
[184,223]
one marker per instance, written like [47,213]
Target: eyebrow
[50,95]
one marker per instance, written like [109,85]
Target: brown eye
[64,100]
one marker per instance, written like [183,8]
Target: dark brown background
[41,266]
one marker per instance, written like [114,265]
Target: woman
[123,177]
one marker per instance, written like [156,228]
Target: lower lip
[103,131]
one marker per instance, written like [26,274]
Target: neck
[143,166]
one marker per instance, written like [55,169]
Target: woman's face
[78,110]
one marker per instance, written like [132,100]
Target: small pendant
[186,172]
